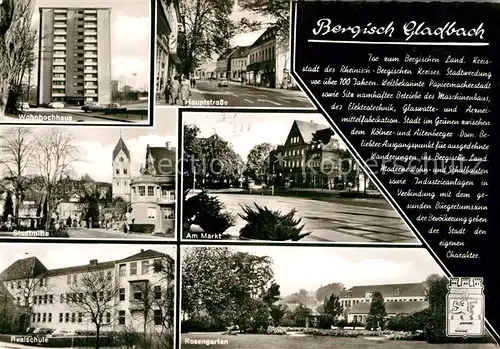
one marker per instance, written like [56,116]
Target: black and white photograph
[78,61]
[87,296]
[278,177]
[225,54]
[315,297]
[92,183]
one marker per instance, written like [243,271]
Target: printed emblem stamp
[465,307]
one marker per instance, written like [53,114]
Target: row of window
[349,303]
[263,55]
[146,268]
[124,171]
[31,283]
[78,317]
[151,191]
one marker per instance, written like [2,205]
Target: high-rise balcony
[90,25]
[58,87]
[91,93]
[60,17]
[61,24]
[62,32]
[58,94]
[90,17]
[90,78]
[90,55]
[60,47]
[59,69]
[90,32]
[90,40]
[56,63]
[91,87]
[60,39]
[58,78]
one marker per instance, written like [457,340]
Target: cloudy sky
[244,130]
[66,255]
[96,144]
[130,35]
[309,268]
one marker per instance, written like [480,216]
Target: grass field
[255,341]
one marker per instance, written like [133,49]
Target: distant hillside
[313,299]
[327,290]
[303,297]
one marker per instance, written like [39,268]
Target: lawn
[257,341]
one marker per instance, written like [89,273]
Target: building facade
[51,296]
[121,171]
[153,192]
[169,27]
[399,299]
[222,69]
[238,63]
[74,63]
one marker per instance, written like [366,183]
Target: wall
[46,56]
[104,55]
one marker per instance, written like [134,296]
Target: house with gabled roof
[48,294]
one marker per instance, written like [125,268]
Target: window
[121,317]
[122,294]
[38,317]
[18,300]
[109,276]
[117,171]
[133,268]
[35,299]
[122,270]
[151,213]
[158,317]
[101,296]
[397,292]
[108,318]
[124,171]
[66,317]
[45,298]
[169,213]
[62,298]
[151,191]
[44,318]
[68,279]
[18,284]
[157,264]
[80,317]
[61,317]
[144,267]
[51,299]
[33,317]
[137,292]
[73,317]
[157,292]
[142,190]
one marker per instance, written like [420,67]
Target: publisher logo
[465,307]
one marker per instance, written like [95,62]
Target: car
[92,107]
[114,108]
[42,330]
[223,83]
[56,105]
[62,332]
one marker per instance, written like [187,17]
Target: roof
[240,52]
[33,267]
[263,37]
[164,159]
[147,254]
[307,129]
[226,54]
[120,146]
[391,307]
[23,268]
[405,290]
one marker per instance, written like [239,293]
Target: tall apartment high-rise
[74,60]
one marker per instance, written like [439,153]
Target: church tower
[121,171]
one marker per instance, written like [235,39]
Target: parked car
[42,330]
[114,108]
[56,105]
[62,332]
[92,107]
[22,106]
[223,83]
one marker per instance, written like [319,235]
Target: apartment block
[74,59]
[124,288]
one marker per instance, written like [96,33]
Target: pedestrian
[129,220]
[193,82]
[166,92]
[185,90]
[174,89]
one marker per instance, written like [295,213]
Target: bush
[200,325]
[142,228]
[265,224]
[209,213]
[58,233]
[276,330]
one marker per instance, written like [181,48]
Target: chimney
[167,145]
[142,250]
[93,262]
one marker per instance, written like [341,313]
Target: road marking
[233,94]
[215,92]
[249,101]
[267,100]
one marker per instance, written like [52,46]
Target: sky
[309,268]
[237,128]
[96,144]
[130,35]
[55,256]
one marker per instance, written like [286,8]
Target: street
[207,93]
[345,220]
[136,113]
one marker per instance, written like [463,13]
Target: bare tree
[17,147]
[54,157]
[17,42]
[93,294]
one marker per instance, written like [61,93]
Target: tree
[277,10]
[93,294]
[17,40]
[8,208]
[257,160]
[54,157]
[278,311]
[437,287]
[300,315]
[332,309]
[327,290]
[207,31]
[17,147]
[377,313]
